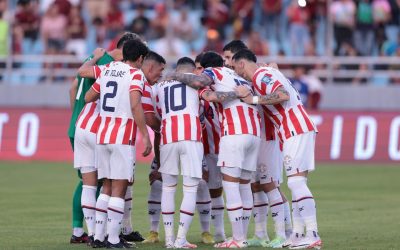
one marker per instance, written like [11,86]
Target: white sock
[168,211]
[115,214]
[88,201]
[247,201]
[260,213]
[305,202]
[277,212]
[101,216]
[217,215]
[77,231]
[298,223]
[187,210]
[127,220]
[288,219]
[203,205]
[154,205]
[234,207]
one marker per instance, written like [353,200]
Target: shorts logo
[262,168]
[287,160]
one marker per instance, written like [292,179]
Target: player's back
[235,116]
[115,81]
[179,106]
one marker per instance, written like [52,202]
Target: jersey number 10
[169,97]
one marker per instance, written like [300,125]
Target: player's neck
[116,54]
[250,70]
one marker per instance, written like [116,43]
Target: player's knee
[267,187]
[298,186]
[245,176]
[215,193]
[169,180]
[191,181]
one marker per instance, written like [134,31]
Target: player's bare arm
[72,93]
[280,95]
[138,115]
[86,70]
[152,121]
[91,96]
[218,96]
[194,81]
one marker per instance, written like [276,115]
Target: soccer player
[230,49]
[296,131]
[82,203]
[119,86]
[180,145]
[239,142]
[211,139]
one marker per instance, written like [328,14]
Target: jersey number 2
[111,95]
[169,98]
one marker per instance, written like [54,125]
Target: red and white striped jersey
[211,128]
[147,99]
[236,117]
[89,118]
[267,127]
[114,82]
[289,117]
[179,105]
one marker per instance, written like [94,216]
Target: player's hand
[98,53]
[242,91]
[248,99]
[147,145]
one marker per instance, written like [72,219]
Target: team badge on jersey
[267,80]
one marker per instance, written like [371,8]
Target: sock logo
[246,218]
[181,224]
[152,211]
[275,214]
[168,223]
[213,217]
[301,208]
[205,212]
[238,218]
[99,222]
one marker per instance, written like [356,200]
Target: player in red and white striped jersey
[119,86]
[180,145]
[211,138]
[297,133]
[239,143]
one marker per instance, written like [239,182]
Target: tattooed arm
[194,81]
[278,96]
[218,96]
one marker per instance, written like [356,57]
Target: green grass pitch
[358,206]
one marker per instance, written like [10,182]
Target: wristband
[256,99]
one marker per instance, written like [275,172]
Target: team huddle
[225,123]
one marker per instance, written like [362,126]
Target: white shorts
[84,150]
[115,161]
[239,151]
[269,164]
[298,153]
[214,172]
[187,154]
[237,173]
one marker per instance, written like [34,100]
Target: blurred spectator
[314,88]
[360,76]
[6,14]
[299,84]
[271,11]
[298,30]
[101,30]
[97,8]
[258,45]
[216,16]
[76,33]
[389,48]
[183,27]
[364,34]
[396,80]
[242,13]
[140,24]
[27,18]
[214,41]
[160,22]
[53,30]
[4,27]
[114,21]
[381,13]
[393,26]
[343,15]
[64,6]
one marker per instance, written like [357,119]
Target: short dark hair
[198,57]
[133,49]
[185,61]
[234,46]
[127,36]
[155,57]
[211,59]
[245,54]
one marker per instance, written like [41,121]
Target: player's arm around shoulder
[87,69]
[138,114]
[194,81]
[219,96]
